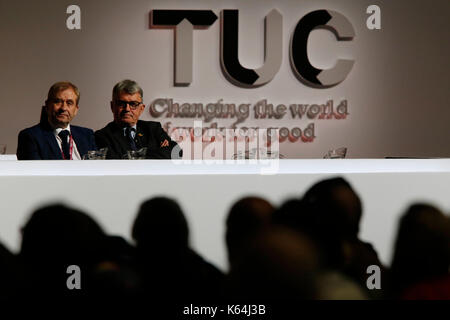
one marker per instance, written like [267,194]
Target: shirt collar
[58,130]
[132,127]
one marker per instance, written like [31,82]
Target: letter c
[304,71]
[154,110]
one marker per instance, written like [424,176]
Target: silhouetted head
[277,263]
[55,238]
[336,206]
[292,214]
[422,247]
[160,225]
[60,233]
[330,214]
[246,217]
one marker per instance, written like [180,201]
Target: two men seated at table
[54,138]
[126,132]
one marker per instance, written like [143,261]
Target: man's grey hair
[127,86]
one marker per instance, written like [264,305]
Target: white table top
[8,157]
[224,167]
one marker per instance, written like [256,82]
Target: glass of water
[136,155]
[338,153]
[96,154]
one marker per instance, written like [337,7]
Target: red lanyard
[70,148]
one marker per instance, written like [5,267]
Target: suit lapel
[53,144]
[79,141]
[142,136]
[119,136]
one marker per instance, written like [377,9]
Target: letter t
[183,22]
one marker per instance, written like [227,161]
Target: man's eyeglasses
[123,104]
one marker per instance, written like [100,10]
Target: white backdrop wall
[397,91]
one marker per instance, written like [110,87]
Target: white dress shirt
[133,132]
[75,153]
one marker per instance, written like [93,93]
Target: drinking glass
[96,154]
[136,155]
[338,153]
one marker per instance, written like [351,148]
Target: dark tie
[128,131]
[65,144]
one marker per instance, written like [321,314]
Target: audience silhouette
[421,260]
[277,264]
[54,238]
[168,267]
[307,248]
[247,217]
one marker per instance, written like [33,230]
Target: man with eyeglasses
[54,138]
[127,132]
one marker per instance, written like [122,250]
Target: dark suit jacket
[149,134]
[39,142]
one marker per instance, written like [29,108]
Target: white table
[111,192]
[8,157]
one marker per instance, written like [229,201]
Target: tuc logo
[183,22]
